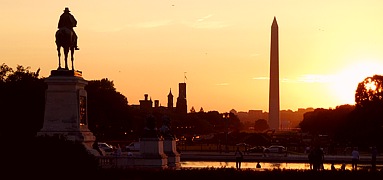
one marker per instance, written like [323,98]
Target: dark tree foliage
[369,93]
[4,72]
[365,125]
[22,96]
[193,123]
[261,125]
[108,111]
[45,157]
[360,125]
[326,121]
[198,123]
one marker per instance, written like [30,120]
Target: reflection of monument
[274,121]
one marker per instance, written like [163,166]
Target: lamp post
[226,117]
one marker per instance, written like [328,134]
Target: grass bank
[234,174]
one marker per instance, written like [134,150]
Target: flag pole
[185,77]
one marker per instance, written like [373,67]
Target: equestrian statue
[66,37]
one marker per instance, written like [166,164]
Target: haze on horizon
[145,47]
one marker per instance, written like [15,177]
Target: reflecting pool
[264,165]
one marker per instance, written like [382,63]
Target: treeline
[353,125]
[111,118]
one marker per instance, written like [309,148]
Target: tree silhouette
[22,96]
[108,110]
[365,125]
[369,92]
[360,125]
[261,125]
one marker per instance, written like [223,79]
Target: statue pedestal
[171,151]
[66,108]
[152,154]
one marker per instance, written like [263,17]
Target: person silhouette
[355,158]
[333,167]
[238,158]
[343,167]
[258,165]
[67,20]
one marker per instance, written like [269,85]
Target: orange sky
[326,47]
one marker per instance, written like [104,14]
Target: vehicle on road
[106,147]
[133,146]
[256,149]
[275,149]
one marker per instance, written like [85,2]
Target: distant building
[170,100]
[181,106]
[289,119]
[146,105]
[156,103]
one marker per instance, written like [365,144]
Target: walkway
[258,157]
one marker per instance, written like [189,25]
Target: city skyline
[222,47]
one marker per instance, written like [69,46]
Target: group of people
[316,157]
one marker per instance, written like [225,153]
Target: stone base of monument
[174,159]
[86,138]
[66,108]
[151,154]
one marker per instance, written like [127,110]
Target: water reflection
[252,165]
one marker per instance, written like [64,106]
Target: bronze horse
[64,39]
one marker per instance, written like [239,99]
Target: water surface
[264,165]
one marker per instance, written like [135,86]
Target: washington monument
[274,121]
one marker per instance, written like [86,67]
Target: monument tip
[275,22]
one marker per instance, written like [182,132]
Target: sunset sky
[222,46]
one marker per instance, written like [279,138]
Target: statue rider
[67,20]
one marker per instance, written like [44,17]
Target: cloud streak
[206,23]
[140,25]
[204,18]
[151,24]
[222,84]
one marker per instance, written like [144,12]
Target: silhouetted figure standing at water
[258,165]
[238,158]
[343,167]
[355,158]
[333,167]
[316,157]
[311,157]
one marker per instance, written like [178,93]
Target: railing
[116,161]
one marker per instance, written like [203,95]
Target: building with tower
[146,105]
[274,119]
[170,100]
[181,106]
